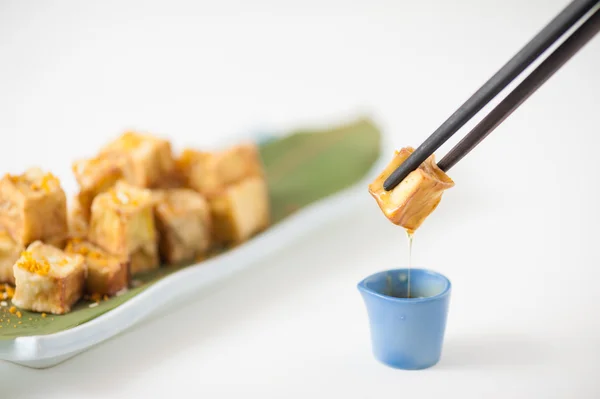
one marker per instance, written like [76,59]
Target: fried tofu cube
[198,172]
[241,210]
[48,279]
[183,222]
[78,222]
[106,274]
[416,197]
[210,173]
[122,223]
[237,163]
[9,253]
[150,158]
[33,207]
[174,179]
[96,175]
[233,181]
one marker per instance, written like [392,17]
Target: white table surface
[517,235]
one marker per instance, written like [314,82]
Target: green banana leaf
[302,168]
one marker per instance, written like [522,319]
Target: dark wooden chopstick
[526,88]
[520,61]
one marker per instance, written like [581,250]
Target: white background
[517,235]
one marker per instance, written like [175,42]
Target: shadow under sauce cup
[407,333]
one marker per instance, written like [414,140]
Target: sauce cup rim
[362,286]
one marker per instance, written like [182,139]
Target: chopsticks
[540,43]
[522,92]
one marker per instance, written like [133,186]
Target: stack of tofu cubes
[138,207]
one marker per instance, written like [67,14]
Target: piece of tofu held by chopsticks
[416,197]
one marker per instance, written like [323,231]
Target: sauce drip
[409,234]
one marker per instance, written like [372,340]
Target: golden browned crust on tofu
[238,163]
[78,223]
[150,158]
[144,259]
[198,171]
[9,253]
[33,207]
[211,173]
[416,197]
[241,210]
[48,279]
[183,222]
[122,223]
[96,175]
[233,181]
[106,274]
[174,179]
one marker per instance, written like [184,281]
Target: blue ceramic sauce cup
[407,333]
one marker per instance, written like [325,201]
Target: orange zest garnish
[76,246]
[29,263]
[63,262]
[45,183]
[7,290]
[48,180]
[130,140]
